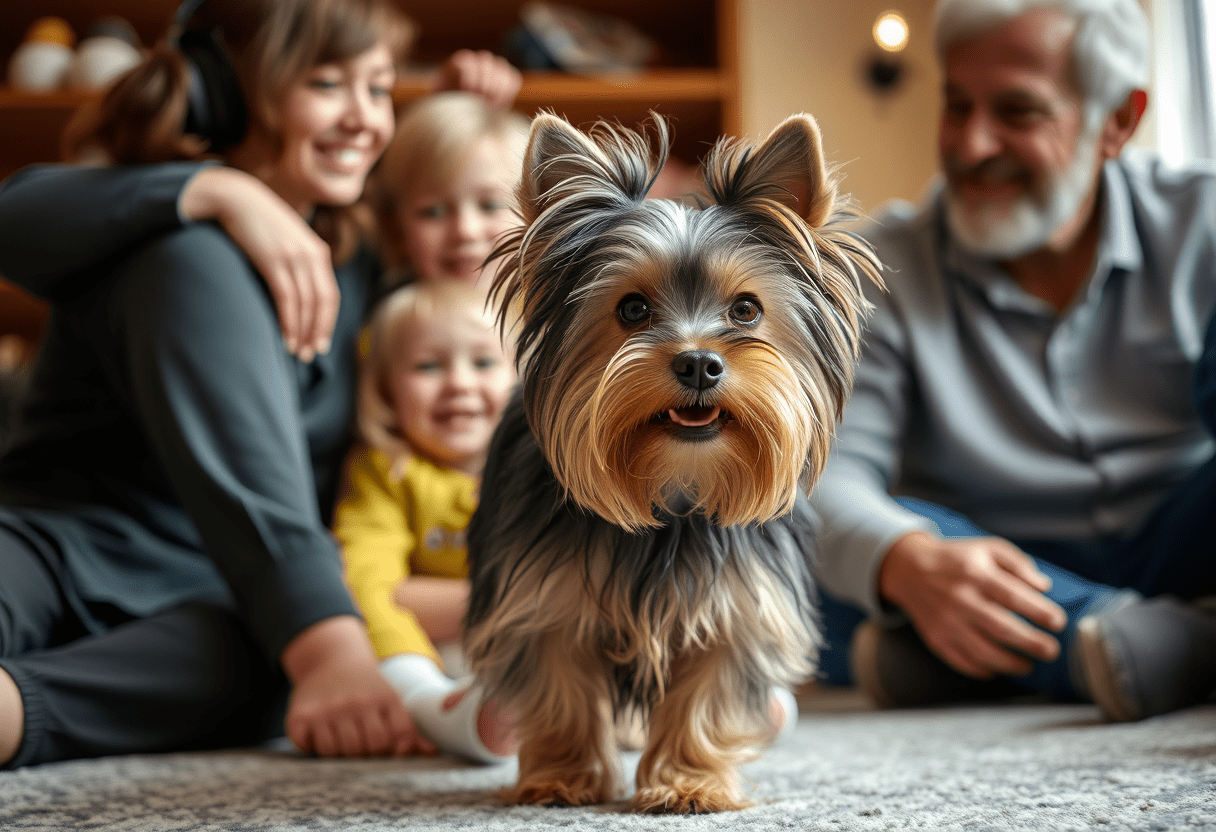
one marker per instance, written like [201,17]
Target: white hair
[1004,233]
[1110,41]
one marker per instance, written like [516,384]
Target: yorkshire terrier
[642,543]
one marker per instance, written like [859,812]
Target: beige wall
[810,55]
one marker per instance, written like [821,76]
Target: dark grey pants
[95,681]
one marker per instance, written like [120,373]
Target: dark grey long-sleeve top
[169,443]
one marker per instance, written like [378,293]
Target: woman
[168,576]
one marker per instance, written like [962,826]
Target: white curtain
[1183,107]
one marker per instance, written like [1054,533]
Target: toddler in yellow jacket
[434,381]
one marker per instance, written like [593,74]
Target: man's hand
[965,598]
[482,73]
[341,705]
[288,254]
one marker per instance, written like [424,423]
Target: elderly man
[1020,492]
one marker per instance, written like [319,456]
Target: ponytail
[140,118]
[251,50]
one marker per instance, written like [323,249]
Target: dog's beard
[1007,230]
[615,455]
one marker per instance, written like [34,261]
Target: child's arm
[438,604]
[372,528]
[371,523]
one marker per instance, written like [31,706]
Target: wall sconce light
[891,31]
[885,70]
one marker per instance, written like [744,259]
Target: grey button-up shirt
[978,396]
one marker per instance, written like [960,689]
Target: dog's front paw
[577,789]
[688,799]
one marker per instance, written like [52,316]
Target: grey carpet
[1004,767]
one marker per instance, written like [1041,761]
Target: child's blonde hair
[433,140]
[377,419]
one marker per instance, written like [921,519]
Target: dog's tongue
[694,417]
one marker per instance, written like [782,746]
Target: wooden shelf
[692,97]
[674,85]
[696,84]
[11,99]
[540,89]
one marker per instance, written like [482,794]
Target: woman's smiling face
[336,121]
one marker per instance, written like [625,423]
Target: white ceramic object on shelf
[99,60]
[39,66]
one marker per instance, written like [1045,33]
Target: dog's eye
[745,311]
[633,309]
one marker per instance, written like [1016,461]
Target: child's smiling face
[449,381]
[449,232]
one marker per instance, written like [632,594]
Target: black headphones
[216,104]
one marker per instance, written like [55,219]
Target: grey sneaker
[1148,658]
[895,669]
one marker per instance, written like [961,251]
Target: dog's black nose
[698,369]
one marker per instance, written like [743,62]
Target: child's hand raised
[482,73]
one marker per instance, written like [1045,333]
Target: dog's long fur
[642,543]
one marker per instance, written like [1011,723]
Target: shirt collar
[1119,244]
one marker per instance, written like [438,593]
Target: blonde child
[444,189]
[434,380]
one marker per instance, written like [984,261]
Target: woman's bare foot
[495,725]
[12,718]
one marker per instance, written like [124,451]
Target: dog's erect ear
[556,153]
[787,167]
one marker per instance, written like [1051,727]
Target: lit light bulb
[891,31]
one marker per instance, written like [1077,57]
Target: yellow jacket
[396,521]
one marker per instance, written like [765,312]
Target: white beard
[1002,232]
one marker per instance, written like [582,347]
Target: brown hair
[272,44]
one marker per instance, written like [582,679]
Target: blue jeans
[1070,589]
[1169,556]
[1174,553]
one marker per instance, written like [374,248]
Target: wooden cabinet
[695,80]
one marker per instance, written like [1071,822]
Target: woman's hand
[291,258]
[341,705]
